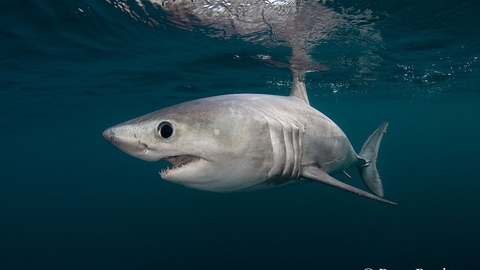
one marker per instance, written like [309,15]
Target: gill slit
[287,149]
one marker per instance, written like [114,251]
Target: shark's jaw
[180,164]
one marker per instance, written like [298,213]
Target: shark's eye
[165,130]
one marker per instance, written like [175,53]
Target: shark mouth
[178,162]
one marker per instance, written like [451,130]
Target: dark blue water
[69,200]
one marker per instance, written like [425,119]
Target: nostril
[144,146]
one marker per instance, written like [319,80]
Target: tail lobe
[369,152]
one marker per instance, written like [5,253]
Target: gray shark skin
[249,141]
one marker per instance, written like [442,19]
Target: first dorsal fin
[298,90]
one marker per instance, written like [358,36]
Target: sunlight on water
[301,26]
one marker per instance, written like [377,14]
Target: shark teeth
[178,162]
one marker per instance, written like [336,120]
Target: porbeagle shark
[249,141]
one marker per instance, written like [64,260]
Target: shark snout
[116,138]
[109,135]
[128,142]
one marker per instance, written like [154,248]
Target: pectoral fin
[316,174]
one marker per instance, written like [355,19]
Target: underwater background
[69,200]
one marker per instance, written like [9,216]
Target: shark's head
[210,146]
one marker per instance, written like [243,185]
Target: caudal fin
[369,152]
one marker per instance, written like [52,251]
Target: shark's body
[248,141]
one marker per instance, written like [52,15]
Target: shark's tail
[369,152]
